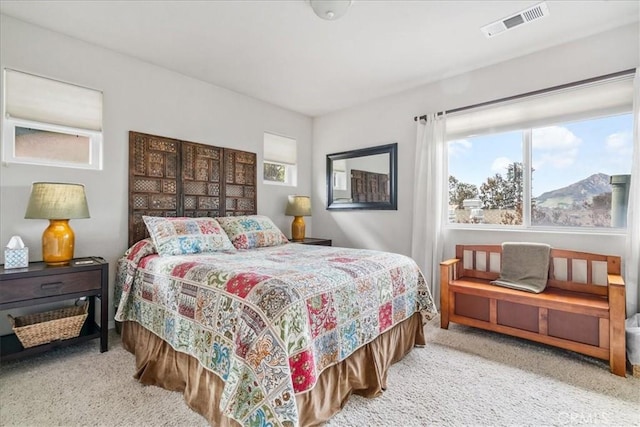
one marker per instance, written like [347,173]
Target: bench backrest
[569,270]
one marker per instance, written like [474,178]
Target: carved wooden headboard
[169,177]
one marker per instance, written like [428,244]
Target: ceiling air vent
[533,13]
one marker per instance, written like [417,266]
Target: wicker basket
[41,328]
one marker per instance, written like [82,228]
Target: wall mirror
[363,179]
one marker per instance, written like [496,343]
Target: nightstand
[314,241]
[40,283]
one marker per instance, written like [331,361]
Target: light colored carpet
[462,377]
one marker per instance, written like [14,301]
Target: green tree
[602,201]
[599,209]
[499,192]
[274,172]
[513,187]
[492,192]
[460,191]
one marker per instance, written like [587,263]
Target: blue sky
[562,154]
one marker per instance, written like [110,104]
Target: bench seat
[551,298]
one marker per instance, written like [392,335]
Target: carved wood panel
[240,182]
[153,183]
[369,186]
[169,177]
[201,180]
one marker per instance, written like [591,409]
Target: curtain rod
[535,92]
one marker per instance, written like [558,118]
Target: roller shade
[606,97]
[43,100]
[279,149]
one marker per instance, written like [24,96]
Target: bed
[255,330]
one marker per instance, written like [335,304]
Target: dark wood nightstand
[314,241]
[40,283]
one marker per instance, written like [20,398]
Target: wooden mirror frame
[392,204]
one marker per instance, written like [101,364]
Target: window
[48,122]
[279,160]
[559,160]
[339,175]
[485,179]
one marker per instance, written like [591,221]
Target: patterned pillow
[253,231]
[182,236]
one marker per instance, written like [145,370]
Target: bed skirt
[363,373]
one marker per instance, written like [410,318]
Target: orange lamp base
[57,242]
[297,229]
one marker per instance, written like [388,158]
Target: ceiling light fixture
[330,9]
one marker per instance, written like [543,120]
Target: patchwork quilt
[268,321]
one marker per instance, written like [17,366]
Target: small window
[275,172]
[48,122]
[339,175]
[279,160]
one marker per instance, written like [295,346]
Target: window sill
[279,184]
[546,230]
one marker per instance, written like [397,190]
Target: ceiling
[282,53]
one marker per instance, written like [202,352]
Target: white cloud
[619,149]
[501,164]
[555,146]
[555,138]
[620,143]
[459,147]
[556,160]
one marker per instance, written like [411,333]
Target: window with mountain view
[570,174]
[581,172]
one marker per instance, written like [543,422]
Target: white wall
[391,119]
[141,97]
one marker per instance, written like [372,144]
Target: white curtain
[632,252]
[428,199]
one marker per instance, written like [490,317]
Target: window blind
[44,100]
[340,165]
[279,149]
[606,97]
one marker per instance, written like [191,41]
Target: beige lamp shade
[55,200]
[298,206]
[58,202]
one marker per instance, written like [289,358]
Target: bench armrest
[449,262]
[447,272]
[615,280]
[617,314]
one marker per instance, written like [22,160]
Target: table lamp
[57,202]
[298,206]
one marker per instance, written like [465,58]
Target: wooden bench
[582,308]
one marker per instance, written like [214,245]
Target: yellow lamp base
[297,229]
[57,242]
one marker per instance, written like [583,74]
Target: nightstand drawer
[314,241]
[55,284]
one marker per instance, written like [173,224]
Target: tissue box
[16,258]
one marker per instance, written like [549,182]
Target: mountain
[577,192]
